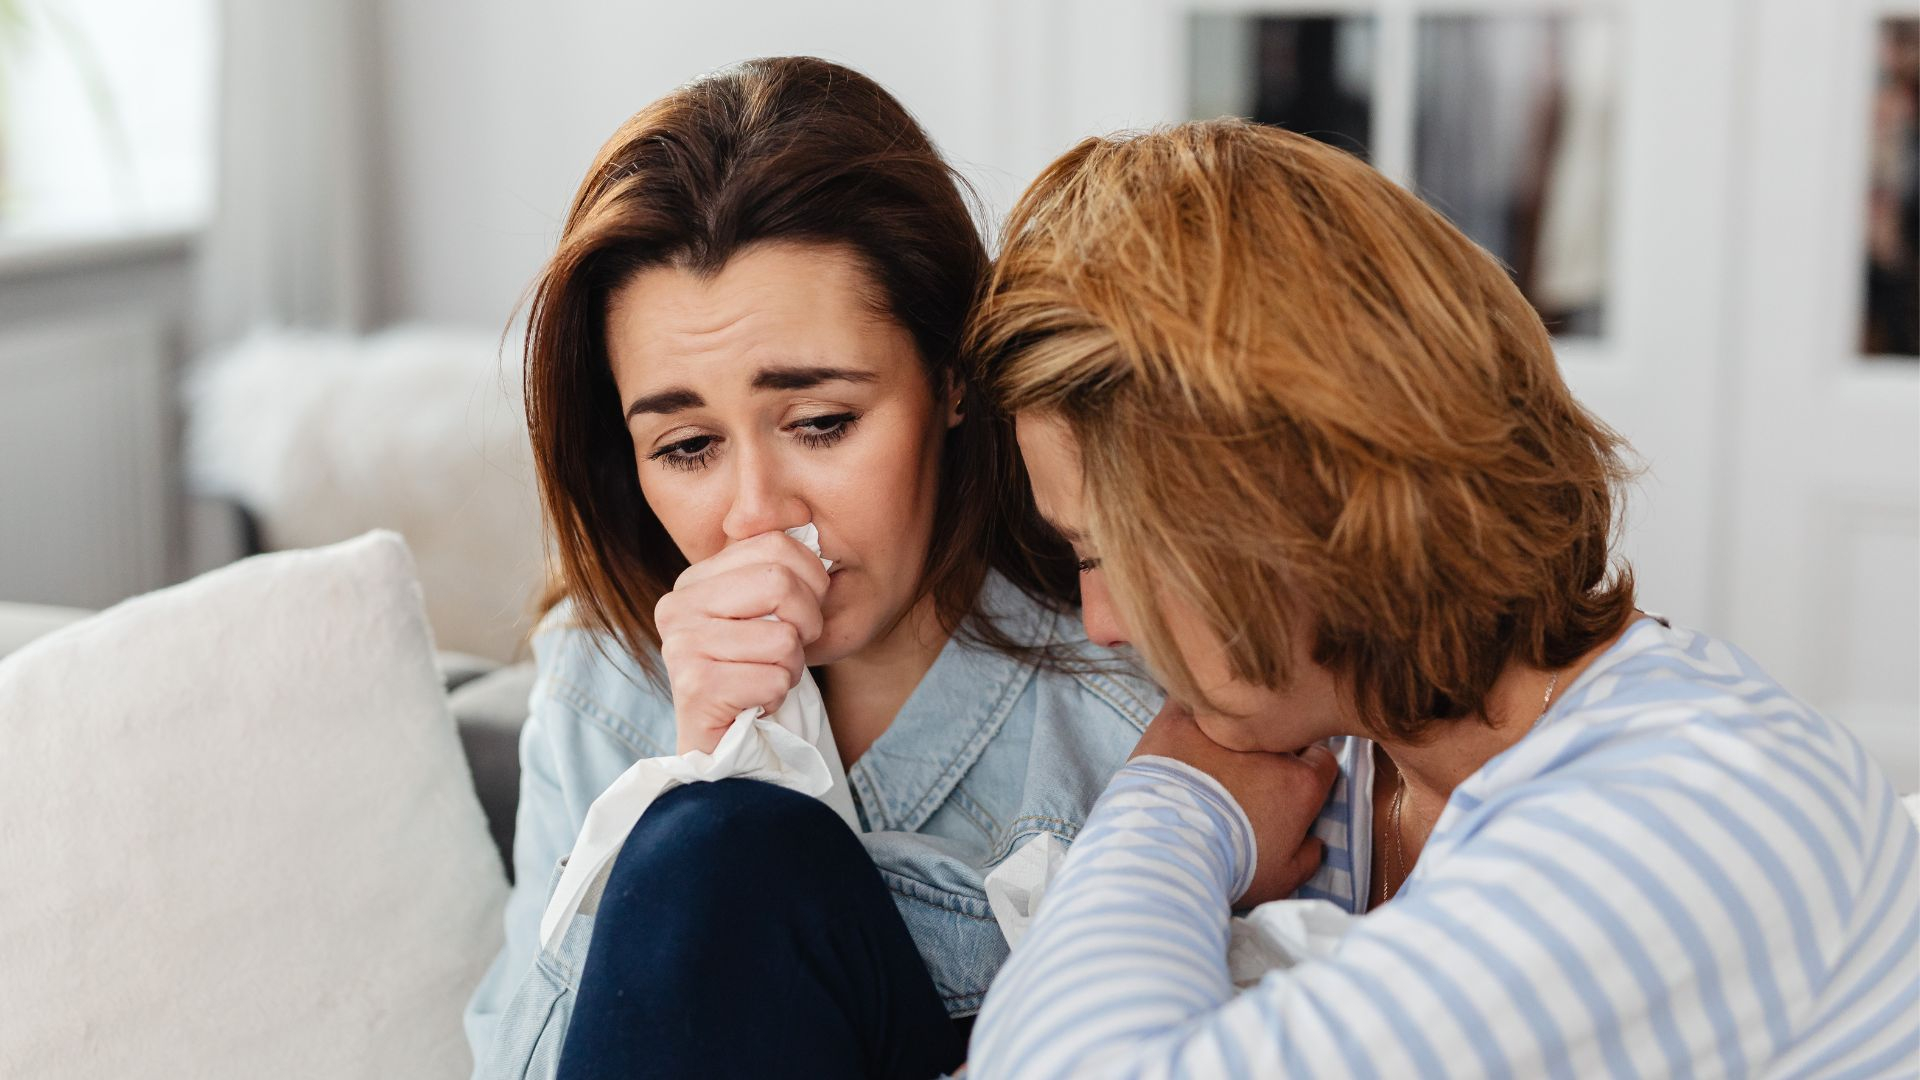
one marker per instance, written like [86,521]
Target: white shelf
[24,255]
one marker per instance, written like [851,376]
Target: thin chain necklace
[1396,869]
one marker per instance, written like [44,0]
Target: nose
[763,501]
[1098,613]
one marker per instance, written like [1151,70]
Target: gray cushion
[490,711]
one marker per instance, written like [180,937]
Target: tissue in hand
[793,748]
[1271,937]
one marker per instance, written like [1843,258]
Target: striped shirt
[1680,871]
[1345,826]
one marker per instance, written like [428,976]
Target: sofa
[259,821]
[487,699]
[248,835]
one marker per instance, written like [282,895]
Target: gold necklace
[1395,871]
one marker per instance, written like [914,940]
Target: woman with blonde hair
[1319,466]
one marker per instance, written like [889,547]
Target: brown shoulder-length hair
[1304,402]
[788,149]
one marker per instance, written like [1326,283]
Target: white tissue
[1016,887]
[1280,934]
[1274,935]
[793,748]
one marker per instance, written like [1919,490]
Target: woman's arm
[1130,946]
[540,838]
[567,758]
[1654,916]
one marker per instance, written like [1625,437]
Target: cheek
[1251,713]
[1098,613]
[1260,719]
[692,512]
[1200,647]
[874,504]
[877,497]
[1234,734]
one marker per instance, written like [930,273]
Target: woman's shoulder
[1073,674]
[1668,713]
[587,676]
[1661,681]
[1108,682]
[1675,768]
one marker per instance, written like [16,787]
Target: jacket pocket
[956,936]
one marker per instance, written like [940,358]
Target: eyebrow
[666,401]
[679,398]
[806,378]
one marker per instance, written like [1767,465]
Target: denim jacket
[988,751]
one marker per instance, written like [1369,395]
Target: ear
[956,400]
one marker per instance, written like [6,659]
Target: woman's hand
[722,655]
[1281,793]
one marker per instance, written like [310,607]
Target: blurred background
[259,259]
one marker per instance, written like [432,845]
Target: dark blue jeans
[745,932]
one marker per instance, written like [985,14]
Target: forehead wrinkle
[670,330]
[703,326]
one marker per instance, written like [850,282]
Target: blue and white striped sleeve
[1655,915]
[1130,946]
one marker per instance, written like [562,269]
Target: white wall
[492,110]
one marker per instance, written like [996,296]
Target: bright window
[106,116]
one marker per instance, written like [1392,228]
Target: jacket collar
[960,705]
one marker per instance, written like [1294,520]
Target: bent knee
[731,833]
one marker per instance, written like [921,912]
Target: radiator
[85,459]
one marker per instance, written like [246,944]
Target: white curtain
[289,243]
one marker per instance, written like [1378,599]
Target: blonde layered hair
[1305,403]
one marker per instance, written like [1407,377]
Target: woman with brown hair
[751,325]
[1315,454]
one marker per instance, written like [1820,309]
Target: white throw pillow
[239,835]
[417,429]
